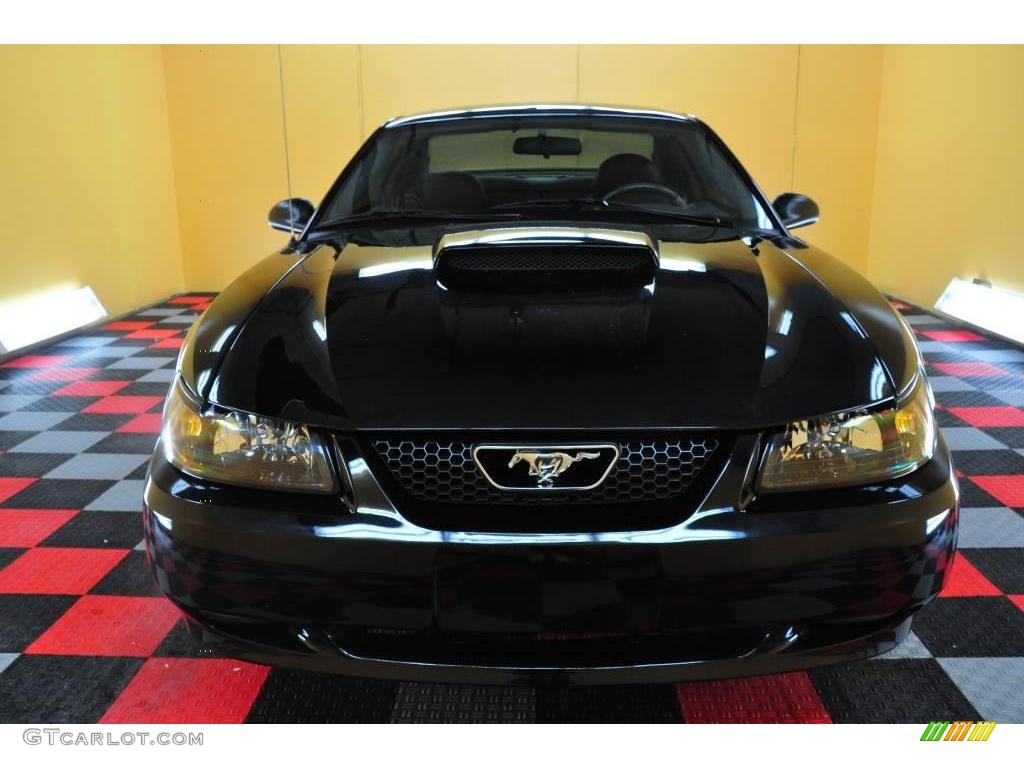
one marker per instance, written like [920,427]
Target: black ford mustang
[550,394]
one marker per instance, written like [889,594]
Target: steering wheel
[648,186]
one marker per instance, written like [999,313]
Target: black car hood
[727,335]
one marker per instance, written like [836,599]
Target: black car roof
[522,110]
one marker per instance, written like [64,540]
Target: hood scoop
[516,259]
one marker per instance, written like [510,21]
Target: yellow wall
[836,128]
[224,104]
[949,178]
[746,93]
[794,115]
[87,190]
[161,163]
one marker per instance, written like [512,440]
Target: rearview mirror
[547,145]
[291,215]
[796,210]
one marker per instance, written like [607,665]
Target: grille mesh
[540,259]
[442,470]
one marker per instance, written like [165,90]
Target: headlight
[851,448]
[242,448]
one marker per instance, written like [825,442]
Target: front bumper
[784,584]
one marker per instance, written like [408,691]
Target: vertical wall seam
[284,122]
[182,282]
[359,93]
[578,73]
[868,246]
[796,122]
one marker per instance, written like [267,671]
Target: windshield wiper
[718,222]
[689,218]
[392,214]
[597,204]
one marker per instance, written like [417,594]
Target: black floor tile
[289,696]
[894,691]
[971,626]
[608,704]
[24,617]
[62,689]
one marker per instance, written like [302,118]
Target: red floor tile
[144,423]
[787,698]
[168,344]
[971,369]
[58,570]
[27,527]
[189,691]
[36,361]
[123,404]
[1017,600]
[106,625]
[188,299]
[952,336]
[1008,489]
[967,581]
[128,325]
[153,333]
[899,305]
[93,387]
[991,416]
[64,374]
[12,485]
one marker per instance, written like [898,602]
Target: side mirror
[796,210]
[291,215]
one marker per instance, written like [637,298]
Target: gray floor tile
[992,685]
[911,648]
[109,352]
[88,341]
[10,403]
[990,527]
[970,439]
[949,384]
[159,376]
[933,347]
[998,355]
[6,659]
[141,363]
[125,496]
[32,421]
[97,466]
[181,319]
[160,312]
[55,441]
[1013,396]
[924,320]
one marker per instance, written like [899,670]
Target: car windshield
[543,165]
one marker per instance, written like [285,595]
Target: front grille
[439,469]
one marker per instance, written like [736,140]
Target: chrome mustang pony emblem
[547,466]
[552,467]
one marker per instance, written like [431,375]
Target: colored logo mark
[960,730]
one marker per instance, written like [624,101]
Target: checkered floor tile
[85,638]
